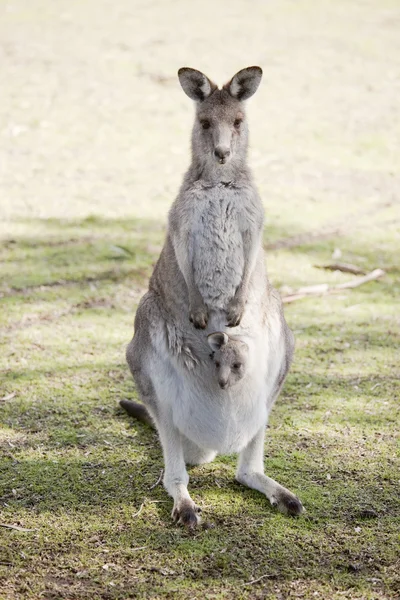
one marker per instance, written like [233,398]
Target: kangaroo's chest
[217,247]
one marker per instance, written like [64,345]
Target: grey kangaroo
[211,277]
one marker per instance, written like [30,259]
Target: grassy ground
[94,133]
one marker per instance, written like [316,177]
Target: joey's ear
[195,85]
[244,347]
[245,83]
[217,340]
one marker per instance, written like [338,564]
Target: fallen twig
[16,527]
[158,480]
[376,274]
[375,386]
[9,396]
[344,267]
[259,579]
[139,511]
[325,288]
[11,455]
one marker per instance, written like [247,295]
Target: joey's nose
[223,385]
[222,152]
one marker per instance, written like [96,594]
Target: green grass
[78,472]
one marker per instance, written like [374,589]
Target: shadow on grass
[249,539]
[55,252]
[74,480]
[124,463]
[60,253]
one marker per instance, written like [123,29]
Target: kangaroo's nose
[223,385]
[222,152]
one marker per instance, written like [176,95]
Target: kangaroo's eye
[217,364]
[205,124]
[237,123]
[237,366]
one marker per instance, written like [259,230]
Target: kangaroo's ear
[245,83]
[244,347]
[217,340]
[195,84]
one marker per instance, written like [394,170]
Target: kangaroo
[230,357]
[211,277]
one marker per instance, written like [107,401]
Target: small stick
[16,527]
[9,396]
[343,267]
[158,480]
[356,282]
[259,579]
[139,511]
[325,288]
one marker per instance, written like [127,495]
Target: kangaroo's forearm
[184,261]
[236,307]
[198,312]
[251,245]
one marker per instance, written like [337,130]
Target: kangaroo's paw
[287,503]
[199,317]
[187,513]
[235,312]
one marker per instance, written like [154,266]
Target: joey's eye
[237,366]
[237,123]
[217,364]
[205,124]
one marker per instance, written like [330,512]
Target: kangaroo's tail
[138,411]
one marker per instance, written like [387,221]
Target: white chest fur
[216,245]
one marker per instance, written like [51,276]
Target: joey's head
[230,357]
[220,133]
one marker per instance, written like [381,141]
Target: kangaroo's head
[220,134]
[229,356]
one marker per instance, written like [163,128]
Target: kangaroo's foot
[250,472]
[279,497]
[287,503]
[186,512]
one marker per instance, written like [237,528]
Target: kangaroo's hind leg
[176,478]
[250,469]
[250,472]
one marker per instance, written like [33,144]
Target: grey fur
[211,276]
[230,357]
